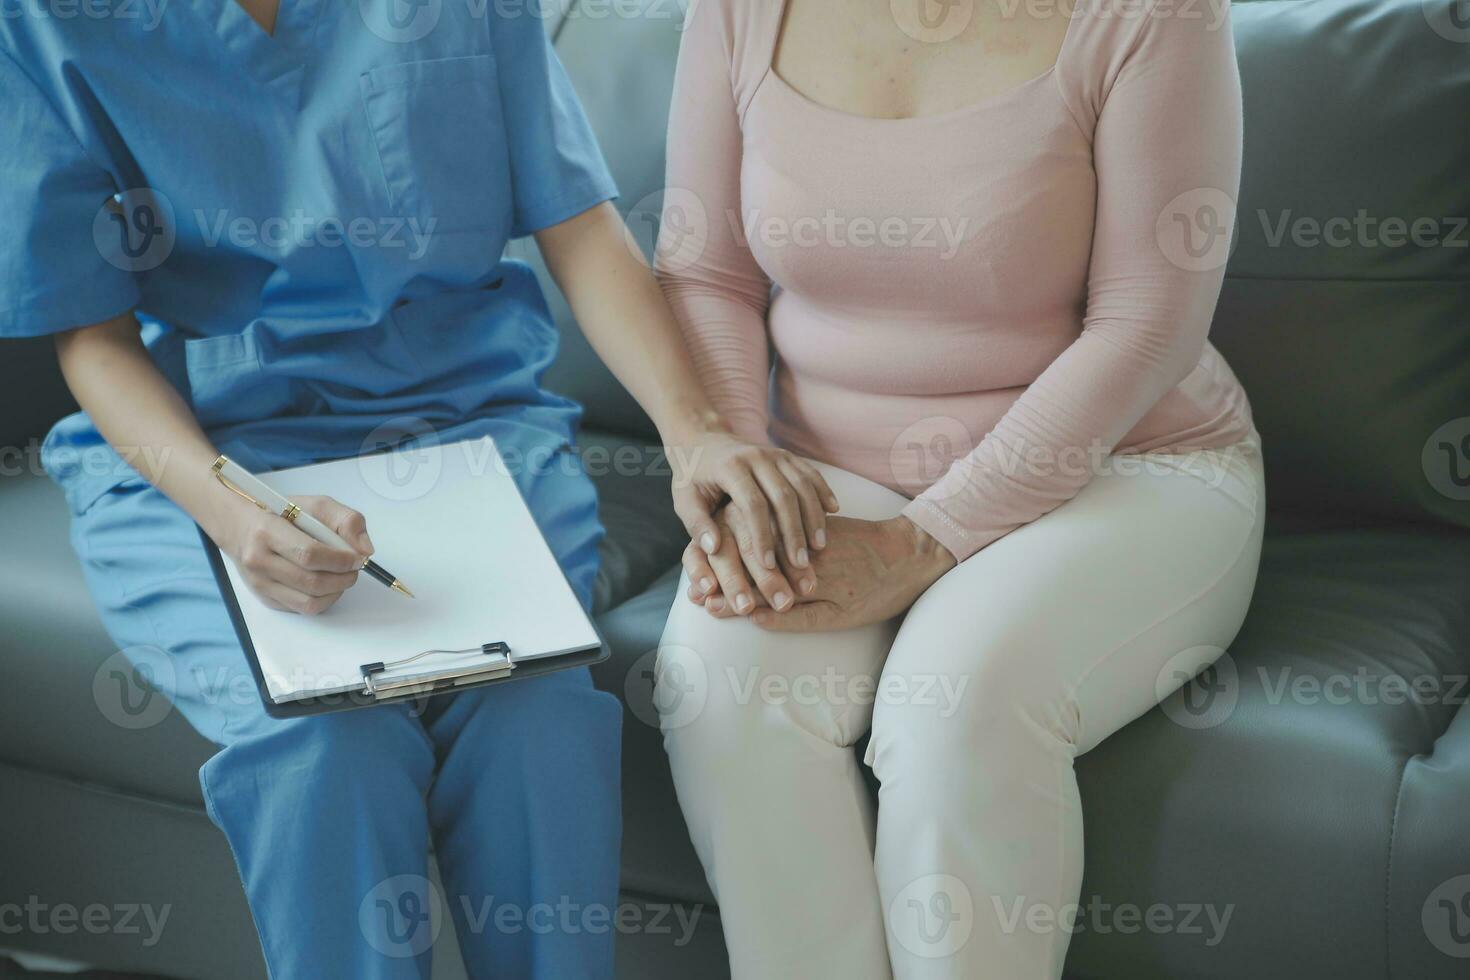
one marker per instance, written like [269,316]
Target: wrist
[217,514]
[932,556]
[686,425]
[215,508]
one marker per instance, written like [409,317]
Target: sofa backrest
[1346,307]
[620,57]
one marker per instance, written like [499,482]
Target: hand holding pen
[298,555]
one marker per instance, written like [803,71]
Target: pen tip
[402,588]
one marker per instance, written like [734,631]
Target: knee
[726,688]
[693,692]
[1004,700]
[355,754]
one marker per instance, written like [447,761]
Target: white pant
[979,699]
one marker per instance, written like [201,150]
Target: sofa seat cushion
[1276,780]
[1288,754]
[60,691]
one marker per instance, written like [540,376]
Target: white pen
[240,481]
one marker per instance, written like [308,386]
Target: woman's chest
[987,211]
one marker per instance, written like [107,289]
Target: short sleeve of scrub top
[556,170]
[53,276]
[293,341]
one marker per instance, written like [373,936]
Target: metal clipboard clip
[378,681]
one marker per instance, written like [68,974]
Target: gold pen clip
[218,466]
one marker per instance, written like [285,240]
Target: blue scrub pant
[331,817]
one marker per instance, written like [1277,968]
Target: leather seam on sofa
[92,786]
[1393,836]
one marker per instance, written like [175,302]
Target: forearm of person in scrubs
[134,406]
[623,313]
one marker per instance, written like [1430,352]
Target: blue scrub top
[309,225]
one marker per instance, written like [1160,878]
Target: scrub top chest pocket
[440,138]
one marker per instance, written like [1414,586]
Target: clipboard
[409,674]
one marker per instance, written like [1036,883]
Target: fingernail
[802,558]
[807,584]
[821,538]
[781,600]
[742,602]
[717,604]
[770,558]
[707,543]
[705,585]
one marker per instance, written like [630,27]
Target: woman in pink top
[983,243]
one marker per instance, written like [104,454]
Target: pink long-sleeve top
[975,308]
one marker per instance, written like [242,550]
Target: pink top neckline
[772,76]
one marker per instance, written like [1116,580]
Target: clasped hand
[868,572]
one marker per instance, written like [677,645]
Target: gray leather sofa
[1314,787]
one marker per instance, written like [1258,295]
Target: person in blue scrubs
[277,233]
